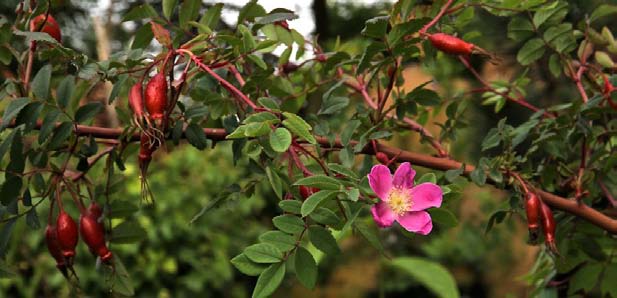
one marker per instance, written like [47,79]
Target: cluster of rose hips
[62,237]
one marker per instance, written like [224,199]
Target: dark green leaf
[168,7]
[128,232]
[323,240]
[11,111]
[189,10]
[284,242]
[196,136]
[212,16]
[376,27]
[269,280]
[290,206]
[430,274]
[246,266]
[140,12]
[87,111]
[263,253]
[531,51]
[315,199]
[288,223]
[65,90]
[320,181]
[443,217]
[306,268]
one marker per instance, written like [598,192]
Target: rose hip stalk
[548,224]
[93,232]
[532,208]
[66,230]
[51,239]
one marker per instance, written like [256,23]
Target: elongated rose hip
[156,96]
[307,191]
[136,102]
[548,225]
[382,158]
[93,232]
[51,239]
[451,44]
[50,27]
[532,208]
[67,235]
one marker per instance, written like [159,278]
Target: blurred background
[177,258]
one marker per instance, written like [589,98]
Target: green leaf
[196,136]
[608,286]
[121,282]
[496,218]
[258,61]
[282,241]
[478,176]
[602,11]
[585,278]
[246,266]
[11,111]
[306,268]
[288,223]
[443,217]
[326,216]
[142,37]
[315,199]
[276,17]
[299,127]
[61,134]
[320,181]
[369,52]
[370,235]
[430,274]
[280,139]
[212,16]
[48,125]
[263,253]
[168,7]
[323,240]
[87,111]
[189,10]
[40,82]
[37,36]
[531,51]
[520,28]
[11,189]
[561,37]
[65,90]
[275,182]
[290,206]
[140,12]
[333,105]
[376,27]
[5,55]
[552,13]
[269,280]
[127,232]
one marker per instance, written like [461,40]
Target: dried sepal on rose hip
[146,148]
[402,201]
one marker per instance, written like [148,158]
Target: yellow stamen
[399,200]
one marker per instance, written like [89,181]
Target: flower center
[399,201]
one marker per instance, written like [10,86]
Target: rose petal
[416,222]
[403,177]
[380,181]
[382,214]
[426,195]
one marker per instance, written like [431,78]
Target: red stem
[430,24]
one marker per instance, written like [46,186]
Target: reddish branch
[413,125]
[519,100]
[438,163]
[434,21]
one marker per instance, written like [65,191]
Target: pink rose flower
[401,201]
